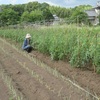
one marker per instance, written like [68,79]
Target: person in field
[26,45]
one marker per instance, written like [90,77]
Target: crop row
[80,46]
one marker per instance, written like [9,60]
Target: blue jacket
[26,44]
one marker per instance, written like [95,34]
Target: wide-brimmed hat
[28,35]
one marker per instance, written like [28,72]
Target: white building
[56,19]
[93,16]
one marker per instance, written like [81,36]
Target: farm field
[80,46]
[64,37]
[38,76]
[48,72]
[4,91]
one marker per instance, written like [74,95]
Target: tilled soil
[34,82]
[4,91]
[88,79]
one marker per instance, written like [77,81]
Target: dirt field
[4,92]
[33,80]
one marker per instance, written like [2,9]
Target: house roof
[91,13]
[56,17]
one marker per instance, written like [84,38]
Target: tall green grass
[79,45]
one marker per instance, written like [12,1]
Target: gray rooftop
[91,13]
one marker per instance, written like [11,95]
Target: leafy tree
[82,7]
[60,12]
[47,14]
[32,6]
[25,16]
[80,17]
[19,8]
[8,17]
[3,7]
[36,15]
[44,6]
[34,11]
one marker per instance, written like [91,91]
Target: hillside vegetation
[34,11]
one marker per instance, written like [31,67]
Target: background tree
[80,17]
[60,12]
[46,12]
[25,17]
[31,6]
[44,5]
[8,17]
[34,11]
[19,8]
[36,15]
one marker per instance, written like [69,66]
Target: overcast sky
[62,3]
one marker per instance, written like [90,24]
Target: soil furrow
[4,91]
[24,83]
[34,82]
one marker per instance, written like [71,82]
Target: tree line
[35,11]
